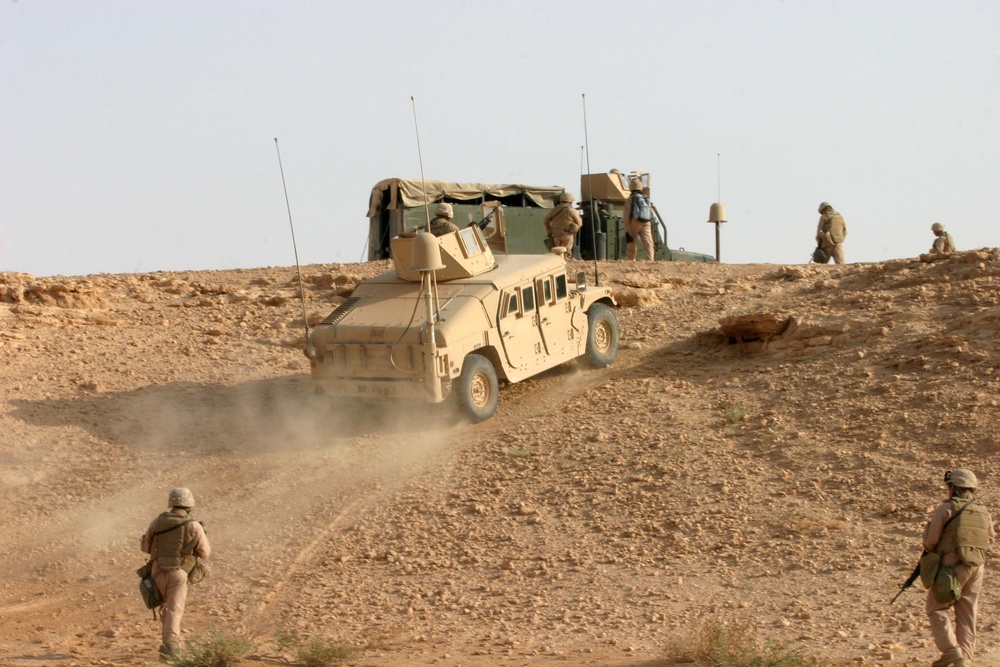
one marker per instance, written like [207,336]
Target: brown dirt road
[597,518]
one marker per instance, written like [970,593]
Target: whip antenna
[590,188]
[420,157]
[302,292]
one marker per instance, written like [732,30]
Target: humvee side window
[544,290]
[528,297]
[512,303]
[561,290]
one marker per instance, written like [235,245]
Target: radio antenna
[590,193]
[302,292]
[420,157]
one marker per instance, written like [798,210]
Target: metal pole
[590,187]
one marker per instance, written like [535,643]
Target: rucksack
[641,208]
[148,589]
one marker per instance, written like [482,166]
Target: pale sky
[139,136]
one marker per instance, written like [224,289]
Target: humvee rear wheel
[602,336]
[478,390]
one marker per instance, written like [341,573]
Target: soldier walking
[831,232]
[960,531]
[174,542]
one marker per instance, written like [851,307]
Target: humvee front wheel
[478,391]
[602,336]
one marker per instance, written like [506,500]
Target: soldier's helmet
[444,211]
[566,198]
[962,478]
[937,228]
[180,497]
[823,206]
[635,185]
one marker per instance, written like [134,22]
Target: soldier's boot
[950,658]
[169,652]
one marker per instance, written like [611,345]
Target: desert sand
[765,449]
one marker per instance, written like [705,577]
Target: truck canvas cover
[397,205]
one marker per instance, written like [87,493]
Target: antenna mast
[420,157]
[590,179]
[288,206]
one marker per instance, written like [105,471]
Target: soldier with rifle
[956,541]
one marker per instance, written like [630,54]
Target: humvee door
[555,316]
[519,330]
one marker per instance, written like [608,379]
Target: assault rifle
[482,224]
[909,580]
[916,571]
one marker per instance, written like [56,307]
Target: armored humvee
[451,319]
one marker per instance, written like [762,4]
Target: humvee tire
[602,336]
[477,392]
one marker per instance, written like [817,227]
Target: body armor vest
[168,547]
[968,535]
[835,227]
[563,221]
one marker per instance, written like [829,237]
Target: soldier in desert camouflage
[960,531]
[831,232]
[442,224]
[174,542]
[562,222]
[943,242]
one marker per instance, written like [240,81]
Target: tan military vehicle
[452,319]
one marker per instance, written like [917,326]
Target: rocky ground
[764,451]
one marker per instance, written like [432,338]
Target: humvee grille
[341,312]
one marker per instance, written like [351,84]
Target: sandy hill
[765,449]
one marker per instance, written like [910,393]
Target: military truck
[397,205]
[604,196]
[453,318]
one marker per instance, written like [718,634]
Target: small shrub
[214,649]
[320,652]
[314,651]
[735,413]
[732,645]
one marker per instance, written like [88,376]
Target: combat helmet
[635,185]
[444,210]
[180,497]
[937,228]
[962,478]
[566,198]
[823,206]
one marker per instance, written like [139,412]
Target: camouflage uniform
[943,243]
[562,222]
[637,229]
[831,232]
[962,544]
[441,226]
[174,542]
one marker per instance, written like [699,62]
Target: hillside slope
[779,477]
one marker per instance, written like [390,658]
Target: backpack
[148,589]
[641,208]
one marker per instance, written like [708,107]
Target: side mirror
[581,282]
